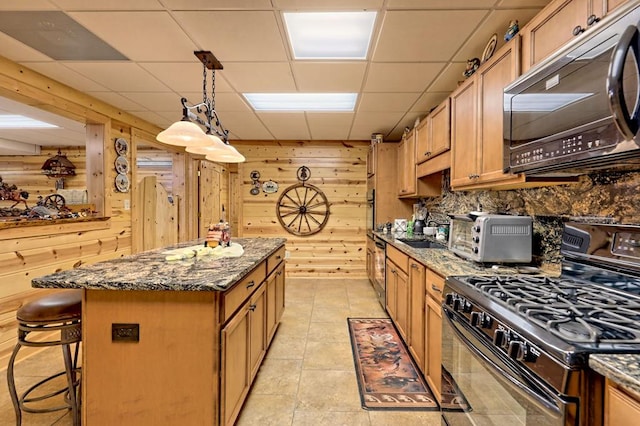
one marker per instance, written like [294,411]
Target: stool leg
[71,381]
[11,382]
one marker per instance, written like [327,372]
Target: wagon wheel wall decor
[303,209]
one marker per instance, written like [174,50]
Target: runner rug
[387,375]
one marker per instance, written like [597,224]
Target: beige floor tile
[329,332]
[292,328]
[328,390]
[278,377]
[405,418]
[328,356]
[284,347]
[267,410]
[322,314]
[333,418]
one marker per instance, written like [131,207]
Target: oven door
[497,390]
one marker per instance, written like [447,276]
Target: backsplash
[598,197]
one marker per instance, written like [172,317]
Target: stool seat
[51,320]
[64,305]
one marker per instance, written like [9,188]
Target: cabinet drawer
[435,285]
[274,260]
[233,298]
[398,257]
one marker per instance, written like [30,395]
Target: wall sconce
[214,144]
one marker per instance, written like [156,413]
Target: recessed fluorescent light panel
[302,101]
[10,121]
[330,35]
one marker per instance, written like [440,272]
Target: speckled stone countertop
[447,263]
[150,271]
[624,369]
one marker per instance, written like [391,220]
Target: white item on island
[233,250]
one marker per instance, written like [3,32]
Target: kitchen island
[175,342]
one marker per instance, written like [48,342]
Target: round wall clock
[122,183]
[122,164]
[122,146]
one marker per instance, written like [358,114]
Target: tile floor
[307,377]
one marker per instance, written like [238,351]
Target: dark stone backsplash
[610,197]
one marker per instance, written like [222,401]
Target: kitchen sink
[422,243]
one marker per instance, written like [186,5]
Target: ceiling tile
[329,126]
[118,101]
[439,4]
[63,74]
[109,5]
[245,125]
[383,102]
[231,102]
[218,4]
[290,5]
[140,36]
[235,36]
[428,101]
[163,101]
[184,77]
[260,77]
[27,5]
[121,76]
[425,36]
[366,123]
[154,118]
[286,126]
[329,76]
[19,52]
[401,77]
[496,23]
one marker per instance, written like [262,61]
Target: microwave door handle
[626,124]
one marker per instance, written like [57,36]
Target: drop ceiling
[417,56]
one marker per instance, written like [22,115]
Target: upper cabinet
[409,185]
[433,141]
[476,124]
[558,23]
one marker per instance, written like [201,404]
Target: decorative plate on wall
[122,164]
[490,48]
[122,146]
[122,183]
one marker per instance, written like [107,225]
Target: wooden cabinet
[409,185]
[433,141]
[391,280]
[417,312]
[557,24]
[257,329]
[397,289]
[433,331]
[387,205]
[275,300]
[621,405]
[477,124]
[371,259]
[235,374]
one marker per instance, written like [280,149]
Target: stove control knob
[521,351]
[499,337]
[457,302]
[481,319]
[448,299]
[476,228]
[475,250]
[476,240]
[466,306]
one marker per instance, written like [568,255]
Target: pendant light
[214,144]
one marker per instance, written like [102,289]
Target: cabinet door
[391,279]
[433,363]
[235,376]
[423,143]
[440,128]
[551,29]
[464,104]
[257,329]
[492,78]
[402,304]
[271,320]
[280,292]
[620,407]
[417,312]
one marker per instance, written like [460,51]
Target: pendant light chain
[204,83]
[213,89]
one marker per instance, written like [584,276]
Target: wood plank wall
[338,168]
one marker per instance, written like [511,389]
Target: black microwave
[579,109]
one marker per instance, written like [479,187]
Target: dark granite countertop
[151,271]
[447,263]
[623,369]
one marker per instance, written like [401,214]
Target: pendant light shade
[230,155]
[215,146]
[184,133]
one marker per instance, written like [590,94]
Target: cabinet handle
[252,308]
[278,257]
[279,273]
[577,30]
[592,20]
[434,288]
[414,265]
[251,284]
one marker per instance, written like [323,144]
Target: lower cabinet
[416,340]
[433,328]
[244,341]
[621,405]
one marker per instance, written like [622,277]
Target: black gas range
[534,334]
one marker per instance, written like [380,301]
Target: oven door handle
[528,387]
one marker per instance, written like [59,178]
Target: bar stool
[60,311]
